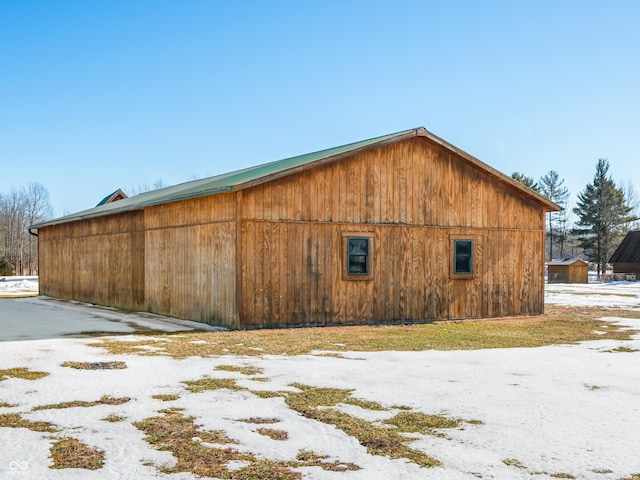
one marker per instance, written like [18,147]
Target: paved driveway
[39,318]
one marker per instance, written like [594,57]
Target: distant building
[568,271]
[626,258]
[113,197]
[400,228]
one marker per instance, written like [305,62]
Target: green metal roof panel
[227,181]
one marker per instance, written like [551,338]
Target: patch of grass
[307,458]
[313,397]
[260,420]
[593,388]
[178,434]
[267,393]
[95,365]
[6,405]
[21,372]
[562,475]
[622,350]
[273,434]
[559,325]
[246,370]
[113,418]
[207,383]
[70,453]
[512,462]
[166,397]
[365,404]
[14,420]
[419,422]
[376,439]
[104,400]
[634,476]
[259,379]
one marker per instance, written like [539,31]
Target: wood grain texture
[272,254]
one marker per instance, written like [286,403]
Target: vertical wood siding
[413,196]
[98,261]
[272,254]
[175,259]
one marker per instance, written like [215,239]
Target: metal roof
[629,250]
[248,177]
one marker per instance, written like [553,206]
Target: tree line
[604,213]
[19,209]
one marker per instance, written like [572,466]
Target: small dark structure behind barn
[626,258]
[403,227]
[568,271]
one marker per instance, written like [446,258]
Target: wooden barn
[400,228]
[568,271]
[626,258]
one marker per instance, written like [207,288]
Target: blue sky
[101,95]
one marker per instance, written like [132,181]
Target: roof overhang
[252,176]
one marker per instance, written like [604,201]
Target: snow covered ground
[18,286]
[572,410]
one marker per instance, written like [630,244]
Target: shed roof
[240,179]
[629,250]
[569,261]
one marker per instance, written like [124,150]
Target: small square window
[358,262]
[463,263]
[463,257]
[358,255]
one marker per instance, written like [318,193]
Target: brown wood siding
[272,254]
[413,196]
[190,272]
[293,276]
[97,261]
[626,268]
[574,273]
[176,259]
[415,182]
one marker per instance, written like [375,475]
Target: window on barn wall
[358,255]
[462,257]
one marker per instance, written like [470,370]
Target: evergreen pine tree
[552,187]
[602,212]
[526,181]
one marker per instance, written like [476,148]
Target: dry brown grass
[104,400]
[166,397]
[559,325]
[15,420]
[21,372]
[244,370]
[179,435]
[70,453]
[260,420]
[273,433]
[307,458]
[95,365]
[113,418]
[208,383]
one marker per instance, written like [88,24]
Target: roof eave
[128,208]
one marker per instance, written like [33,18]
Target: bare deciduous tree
[18,210]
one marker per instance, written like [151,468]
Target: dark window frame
[346,237]
[456,256]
